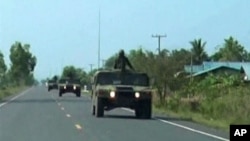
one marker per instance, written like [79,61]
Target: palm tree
[198,51]
[233,50]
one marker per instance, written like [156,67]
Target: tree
[55,78]
[155,66]
[69,72]
[138,59]
[75,73]
[22,63]
[109,63]
[232,50]
[3,68]
[161,68]
[179,58]
[198,51]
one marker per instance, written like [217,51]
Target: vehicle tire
[99,109]
[147,109]
[93,110]
[138,112]
[78,94]
[144,110]
[60,94]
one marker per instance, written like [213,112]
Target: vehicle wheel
[78,94]
[60,94]
[147,109]
[93,110]
[99,109]
[138,112]
[144,110]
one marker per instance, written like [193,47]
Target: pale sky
[65,32]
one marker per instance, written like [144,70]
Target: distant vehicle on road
[52,84]
[115,88]
[67,85]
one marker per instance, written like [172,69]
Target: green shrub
[221,98]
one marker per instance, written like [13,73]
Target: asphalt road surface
[39,115]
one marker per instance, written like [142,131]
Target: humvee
[67,85]
[52,84]
[115,88]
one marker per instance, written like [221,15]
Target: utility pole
[91,65]
[103,62]
[99,41]
[159,41]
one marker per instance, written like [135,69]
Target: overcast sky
[65,32]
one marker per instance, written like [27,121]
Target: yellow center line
[78,127]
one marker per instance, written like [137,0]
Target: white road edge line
[68,115]
[184,127]
[17,96]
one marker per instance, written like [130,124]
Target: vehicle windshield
[51,81]
[70,81]
[122,79]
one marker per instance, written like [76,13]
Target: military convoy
[66,85]
[116,88]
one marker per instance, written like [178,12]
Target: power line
[159,41]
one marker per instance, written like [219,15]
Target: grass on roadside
[194,117]
[5,92]
[219,109]
[85,92]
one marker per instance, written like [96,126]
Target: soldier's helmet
[121,53]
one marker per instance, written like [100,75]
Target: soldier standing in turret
[122,61]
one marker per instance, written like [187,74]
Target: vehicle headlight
[112,94]
[137,94]
[245,78]
[74,87]
[64,87]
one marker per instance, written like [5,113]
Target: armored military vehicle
[115,88]
[52,84]
[67,85]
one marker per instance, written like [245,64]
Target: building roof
[193,69]
[214,68]
[211,65]
[246,69]
[236,65]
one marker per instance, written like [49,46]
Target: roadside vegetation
[19,75]
[216,101]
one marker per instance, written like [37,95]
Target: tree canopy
[22,66]
[166,69]
[73,72]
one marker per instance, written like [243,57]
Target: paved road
[38,115]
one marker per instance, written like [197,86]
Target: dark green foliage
[75,73]
[22,66]
[214,96]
